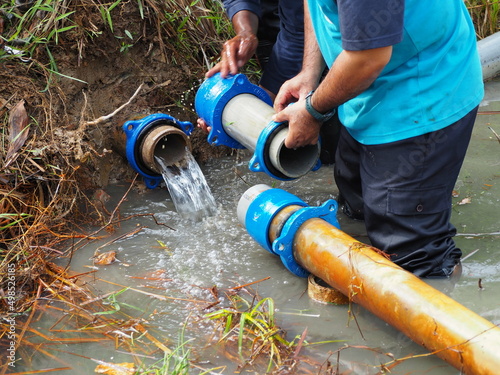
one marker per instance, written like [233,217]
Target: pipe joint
[212,97]
[258,211]
[283,244]
[240,116]
[155,135]
[270,155]
[257,208]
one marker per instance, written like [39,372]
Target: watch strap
[314,113]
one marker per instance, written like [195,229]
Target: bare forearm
[313,63]
[245,22]
[351,74]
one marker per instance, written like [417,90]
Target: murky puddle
[184,261]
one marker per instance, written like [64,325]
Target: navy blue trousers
[283,45]
[403,191]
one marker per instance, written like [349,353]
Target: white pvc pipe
[489,53]
[246,199]
[245,117]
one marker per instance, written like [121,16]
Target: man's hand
[200,123]
[235,53]
[293,90]
[303,129]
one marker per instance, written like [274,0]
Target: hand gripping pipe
[156,135]
[308,240]
[239,114]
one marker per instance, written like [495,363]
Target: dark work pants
[403,189]
[281,41]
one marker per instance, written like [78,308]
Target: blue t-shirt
[433,78]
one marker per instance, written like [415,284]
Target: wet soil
[106,68]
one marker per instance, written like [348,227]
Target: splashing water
[188,188]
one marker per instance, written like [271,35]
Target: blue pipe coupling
[258,207]
[240,116]
[157,135]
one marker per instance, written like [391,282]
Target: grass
[250,336]
[484,13]
[37,30]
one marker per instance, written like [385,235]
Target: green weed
[116,305]
[255,329]
[175,362]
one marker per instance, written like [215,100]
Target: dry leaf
[18,131]
[465,201]
[124,368]
[105,258]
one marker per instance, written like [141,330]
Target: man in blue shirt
[406,79]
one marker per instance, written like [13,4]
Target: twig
[488,113]
[469,255]
[494,132]
[107,117]
[251,283]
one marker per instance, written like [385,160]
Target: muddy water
[218,252]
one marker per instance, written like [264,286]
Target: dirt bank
[83,60]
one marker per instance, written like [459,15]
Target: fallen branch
[102,119]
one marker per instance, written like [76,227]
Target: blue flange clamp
[261,211]
[135,130]
[213,95]
[260,161]
[283,245]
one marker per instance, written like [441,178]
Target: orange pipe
[447,329]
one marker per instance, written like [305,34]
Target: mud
[105,72]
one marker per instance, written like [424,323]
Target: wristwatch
[317,115]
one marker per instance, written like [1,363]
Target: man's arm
[313,66]
[238,50]
[351,74]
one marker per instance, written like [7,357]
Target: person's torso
[434,75]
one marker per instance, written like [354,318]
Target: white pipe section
[246,199]
[489,53]
[245,117]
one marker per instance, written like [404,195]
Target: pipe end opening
[167,143]
[171,149]
[293,163]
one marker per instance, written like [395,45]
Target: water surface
[217,251]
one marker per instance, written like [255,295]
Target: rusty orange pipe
[308,241]
[430,318]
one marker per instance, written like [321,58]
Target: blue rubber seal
[135,130]
[283,245]
[262,210]
[213,95]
